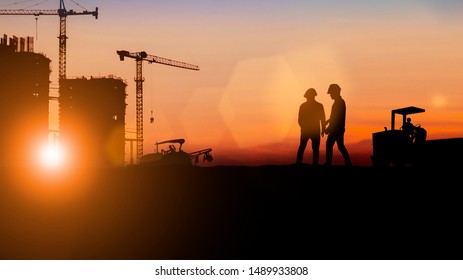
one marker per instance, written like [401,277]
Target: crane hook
[36,29]
[152,118]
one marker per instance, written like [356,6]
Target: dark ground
[233,212]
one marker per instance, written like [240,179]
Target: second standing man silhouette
[337,124]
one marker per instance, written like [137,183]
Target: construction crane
[139,58]
[62,13]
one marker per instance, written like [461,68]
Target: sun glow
[52,155]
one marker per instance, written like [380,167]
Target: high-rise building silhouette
[91,111]
[24,98]
[92,120]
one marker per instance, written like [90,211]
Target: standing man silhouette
[336,127]
[312,122]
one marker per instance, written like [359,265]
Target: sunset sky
[256,59]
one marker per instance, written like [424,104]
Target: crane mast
[62,13]
[139,58]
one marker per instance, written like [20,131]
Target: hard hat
[334,88]
[310,92]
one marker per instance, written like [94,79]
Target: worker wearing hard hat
[336,126]
[311,119]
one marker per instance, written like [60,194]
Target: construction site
[91,110]
[24,95]
[120,204]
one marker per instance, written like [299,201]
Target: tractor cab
[398,146]
[416,133]
[404,112]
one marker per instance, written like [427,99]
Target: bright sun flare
[52,156]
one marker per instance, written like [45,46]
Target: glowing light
[439,101]
[52,156]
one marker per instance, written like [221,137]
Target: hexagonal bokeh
[261,101]
[202,121]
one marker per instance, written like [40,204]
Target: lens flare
[52,156]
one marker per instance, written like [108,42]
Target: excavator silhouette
[396,147]
[174,155]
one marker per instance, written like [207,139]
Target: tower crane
[62,13]
[139,58]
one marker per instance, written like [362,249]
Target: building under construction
[24,97]
[92,120]
[91,111]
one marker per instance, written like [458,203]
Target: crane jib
[62,13]
[47,12]
[139,58]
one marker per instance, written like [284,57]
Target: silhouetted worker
[336,127]
[312,122]
[417,133]
[409,128]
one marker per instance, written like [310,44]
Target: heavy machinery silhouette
[397,147]
[174,155]
[63,14]
[139,58]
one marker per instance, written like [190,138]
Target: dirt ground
[232,212]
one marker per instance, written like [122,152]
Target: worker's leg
[329,149]
[342,148]
[315,149]
[302,145]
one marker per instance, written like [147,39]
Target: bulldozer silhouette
[174,155]
[399,147]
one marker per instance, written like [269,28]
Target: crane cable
[36,16]
[15,3]
[34,5]
[26,1]
[79,5]
[151,95]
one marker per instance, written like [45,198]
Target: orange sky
[256,61]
